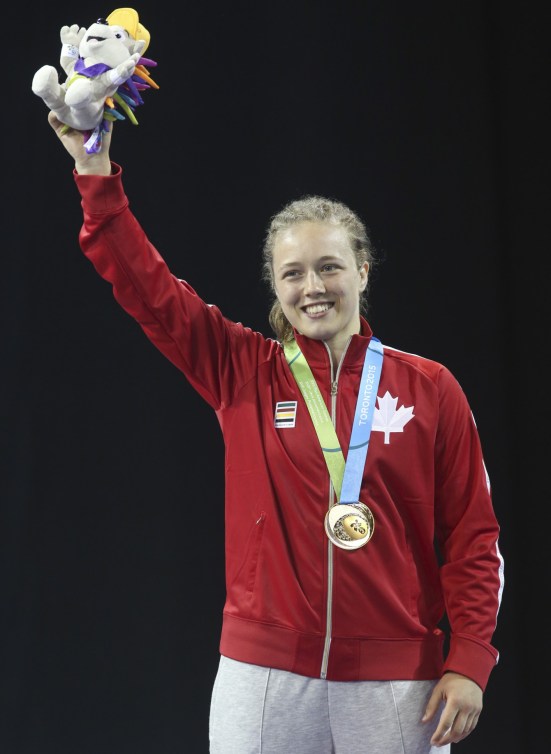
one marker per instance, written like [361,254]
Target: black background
[429,119]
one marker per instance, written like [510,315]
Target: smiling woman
[346,460]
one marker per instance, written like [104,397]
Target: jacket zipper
[329,612]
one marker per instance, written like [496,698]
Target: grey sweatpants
[257,710]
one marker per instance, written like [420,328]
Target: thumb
[55,123]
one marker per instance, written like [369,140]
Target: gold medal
[349,525]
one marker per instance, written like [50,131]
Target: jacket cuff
[472,658]
[102,194]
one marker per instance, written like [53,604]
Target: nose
[313,284]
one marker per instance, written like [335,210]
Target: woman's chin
[317,331]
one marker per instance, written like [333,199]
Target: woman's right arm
[194,336]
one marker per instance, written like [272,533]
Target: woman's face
[318,283]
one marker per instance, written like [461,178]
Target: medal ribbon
[346,477]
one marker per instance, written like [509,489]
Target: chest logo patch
[285,414]
[387,419]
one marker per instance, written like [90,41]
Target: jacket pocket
[256,544]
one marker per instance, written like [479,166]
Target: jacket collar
[317,354]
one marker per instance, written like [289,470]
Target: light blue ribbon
[363,420]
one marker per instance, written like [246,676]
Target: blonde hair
[313,209]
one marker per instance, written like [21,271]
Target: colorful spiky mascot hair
[127,96]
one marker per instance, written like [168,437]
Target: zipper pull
[334,386]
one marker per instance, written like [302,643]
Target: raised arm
[194,336]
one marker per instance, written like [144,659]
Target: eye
[329,267]
[118,36]
[290,274]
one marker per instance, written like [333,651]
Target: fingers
[62,129]
[462,700]
[432,706]
[455,724]
[461,727]
[54,121]
[59,127]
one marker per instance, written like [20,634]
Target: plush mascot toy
[105,73]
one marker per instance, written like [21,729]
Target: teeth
[317,308]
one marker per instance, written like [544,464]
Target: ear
[128,18]
[364,274]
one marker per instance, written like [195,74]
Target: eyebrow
[324,258]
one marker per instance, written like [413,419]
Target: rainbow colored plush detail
[126,99]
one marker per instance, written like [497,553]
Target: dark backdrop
[428,119]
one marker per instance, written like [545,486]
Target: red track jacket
[294,601]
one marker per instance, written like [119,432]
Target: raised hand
[98,163]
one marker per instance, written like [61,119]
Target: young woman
[346,460]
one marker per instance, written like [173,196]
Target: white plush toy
[104,68]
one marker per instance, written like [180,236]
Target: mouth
[317,310]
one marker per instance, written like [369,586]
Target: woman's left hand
[462,700]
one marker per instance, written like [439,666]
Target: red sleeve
[215,354]
[467,534]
